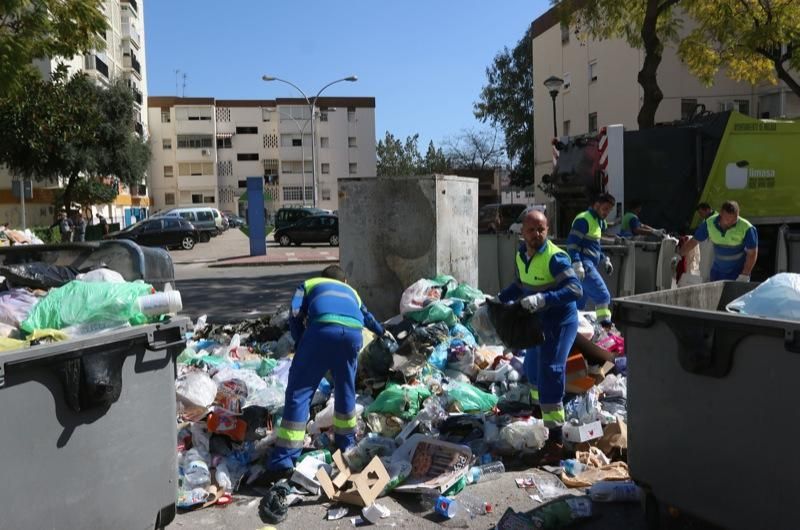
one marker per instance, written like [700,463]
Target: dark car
[313,229]
[497,218]
[170,232]
[235,221]
[288,216]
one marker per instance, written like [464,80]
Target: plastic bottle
[485,472]
[195,470]
[223,477]
[615,491]
[470,506]
[465,506]
[323,455]
[573,467]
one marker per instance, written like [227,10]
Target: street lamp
[553,84]
[311,104]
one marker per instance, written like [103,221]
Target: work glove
[743,278]
[533,303]
[660,233]
[388,336]
[579,271]
[608,266]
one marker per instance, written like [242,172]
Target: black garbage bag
[423,339]
[516,326]
[38,275]
[93,380]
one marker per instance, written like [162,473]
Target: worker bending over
[633,226]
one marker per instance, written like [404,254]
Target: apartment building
[205,148]
[123,57]
[601,88]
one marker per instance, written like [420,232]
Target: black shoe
[273,508]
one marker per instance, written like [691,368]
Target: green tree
[31,29]
[507,101]
[435,160]
[754,40]
[476,149]
[71,130]
[643,24]
[398,158]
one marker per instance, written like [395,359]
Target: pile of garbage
[445,406]
[43,303]
[10,237]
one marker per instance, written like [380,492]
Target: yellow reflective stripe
[344,424]
[291,435]
[602,313]
[555,416]
[534,394]
[313,282]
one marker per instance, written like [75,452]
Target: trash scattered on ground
[562,512]
[436,412]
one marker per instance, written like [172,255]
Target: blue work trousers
[594,289]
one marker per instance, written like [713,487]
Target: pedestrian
[583,245]
[64,227]
[633,226]
[103,224]
[704,210]
[80,228]
[326,321]
[735,242]
[546,284]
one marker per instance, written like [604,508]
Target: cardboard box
[435,464]
[358,489]
[582,433]
[577,374]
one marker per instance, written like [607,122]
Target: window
[152,226]
[564,33]
[165,116]
[266,113]
[197,198]
[297,142]
[209,199]
[172,223]
[246,130]
[566,128]
[326,194]
[326,168]
[194,141]
[351,114]
[295,166]
[351,141]
[593,122]
[169,199]
[224,143]
[292,193]
[193,113]
[688,106]
[247,157]
[204,215]
[323,114]
[296,113]
[168,174]
[353,168]
[743,105]
[567,82]
[593,72]
[324,142]
[243,183]
[166,143]
[195,168]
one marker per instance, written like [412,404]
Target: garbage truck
[711,157]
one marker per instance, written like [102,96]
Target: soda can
[445,507]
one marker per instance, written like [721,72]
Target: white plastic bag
[484,329]
[524,436]
[778,297]
[418,295]
[101,275]
[585,327]
[196,389]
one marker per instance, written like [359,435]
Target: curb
[222,265]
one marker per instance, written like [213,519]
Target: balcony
[133,5]
[139,128]
[196,182]
[204,154]
[137,95]
[139,190]
[129,61]
[95,63]
[129,32]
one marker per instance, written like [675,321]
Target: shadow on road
[233,299]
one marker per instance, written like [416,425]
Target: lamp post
[553,84]
[312,102]
[302,131]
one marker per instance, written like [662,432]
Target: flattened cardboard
[436,465]
[358,489]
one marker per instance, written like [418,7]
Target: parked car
[220,220]
[202,219]
[312,229]
[496,218]
[516,227]
[170,232]
[288,216]
[235,221]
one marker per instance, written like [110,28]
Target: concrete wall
[395,231]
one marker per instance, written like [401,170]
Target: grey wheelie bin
[712,406]
[88,437]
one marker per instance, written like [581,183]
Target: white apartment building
[204,149]
[601,88]
[122,58]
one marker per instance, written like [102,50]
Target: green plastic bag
[470,398]
[434,312]
[262,367]
[403,401]
[465,292]
[445,281]
[78,302]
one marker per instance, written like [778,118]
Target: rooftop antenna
[176,81]
[183,95]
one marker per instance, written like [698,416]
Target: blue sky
[424,61]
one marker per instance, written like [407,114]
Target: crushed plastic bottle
[485,472]
[195,470]
[615,491]
[572,467]
[469,506]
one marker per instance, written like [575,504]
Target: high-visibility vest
[536,275]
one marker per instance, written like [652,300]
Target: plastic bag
[79,302]
[15,306]
[419,295]
[38,275]
[585,327]
[403,401]
[614,386]
[461,357]
[527,436]
[101,275]
[465,292]
[439,356]
[196,389]
[482,325]
[778,297]
[433,312]
[516,326]
[467,398]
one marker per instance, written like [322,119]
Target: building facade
[600,88]
[204,149]
[123,58]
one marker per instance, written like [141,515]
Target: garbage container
[72,455]
[711,405]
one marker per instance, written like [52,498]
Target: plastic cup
[445,507]
[161,303]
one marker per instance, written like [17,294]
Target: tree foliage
[507,101]
[435,160]
[398,158]
[70,129]
[31,29]
[643,24]
[753,40]
[475,149]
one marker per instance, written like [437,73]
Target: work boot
[550,455]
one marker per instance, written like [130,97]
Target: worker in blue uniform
[735,242]
[546,284]
[633,226]
[586,252]
[326,320]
